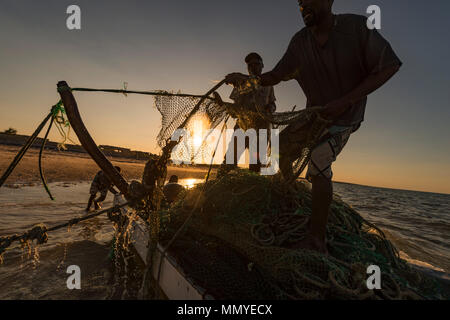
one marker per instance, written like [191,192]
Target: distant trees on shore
[10,131]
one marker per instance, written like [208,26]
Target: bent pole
[86,140]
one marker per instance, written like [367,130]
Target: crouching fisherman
[100,184]
[172,189]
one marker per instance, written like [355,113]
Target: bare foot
[314,244]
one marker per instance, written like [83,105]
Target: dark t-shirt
[326,73]
[102,181]
[171,191]
[262,97]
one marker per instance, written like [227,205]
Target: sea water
[418,224]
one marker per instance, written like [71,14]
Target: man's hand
[271,107]
[334,109]
[236,78]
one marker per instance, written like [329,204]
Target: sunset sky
[189,45]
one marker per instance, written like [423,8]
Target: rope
[149,93]
[188,219]
[55,110]
[215,150]
[39,232]
[41,172]
[24,150]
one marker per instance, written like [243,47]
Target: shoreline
[65,166]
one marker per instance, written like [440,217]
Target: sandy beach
[42,275]
[65,166]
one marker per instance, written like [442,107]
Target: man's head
[173,179]
[313,11]
[117,168]
[255,64]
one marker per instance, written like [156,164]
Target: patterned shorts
[327,151]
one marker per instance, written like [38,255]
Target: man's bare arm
[269,79]
[369,85]
[112,190]
[265,80]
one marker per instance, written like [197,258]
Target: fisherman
[101,184]
[337,61]
[172,189]
[246,103]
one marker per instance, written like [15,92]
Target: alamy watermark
[374,20]
[74,280]
[73,21]
[237,139]
[374,280]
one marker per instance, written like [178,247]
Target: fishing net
[178,111]
[242,243]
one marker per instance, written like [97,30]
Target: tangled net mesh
[241,239]
[241,242]
[177,112]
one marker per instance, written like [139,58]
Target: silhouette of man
[172,189]
[100,184]
[264,97]
[337,61]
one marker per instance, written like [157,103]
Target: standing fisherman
[337,60]
[247,114]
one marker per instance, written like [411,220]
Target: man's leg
[232,144]
[322,195]
[320,175]
[91,199]
[292,140]
[254,167]
[226,167]
[100,199]
[257,167]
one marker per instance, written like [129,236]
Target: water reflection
[190,183]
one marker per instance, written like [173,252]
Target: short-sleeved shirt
[252,101]
[263,96]
[350,55]
[171,191]
[101,181]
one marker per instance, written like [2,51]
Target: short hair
[252,56]
[173,179]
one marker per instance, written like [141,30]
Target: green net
[241,243]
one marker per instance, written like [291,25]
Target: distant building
[111,151]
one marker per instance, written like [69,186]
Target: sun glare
[198,130]
[189,183]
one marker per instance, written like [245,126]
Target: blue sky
[187,45]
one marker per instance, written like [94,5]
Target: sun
[197,141]
[190,183]
[199,129]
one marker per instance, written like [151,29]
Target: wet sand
[74,167]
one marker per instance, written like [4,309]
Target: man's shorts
[95,189]
[335,139]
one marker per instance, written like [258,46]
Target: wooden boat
[167,273]
[170,276]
